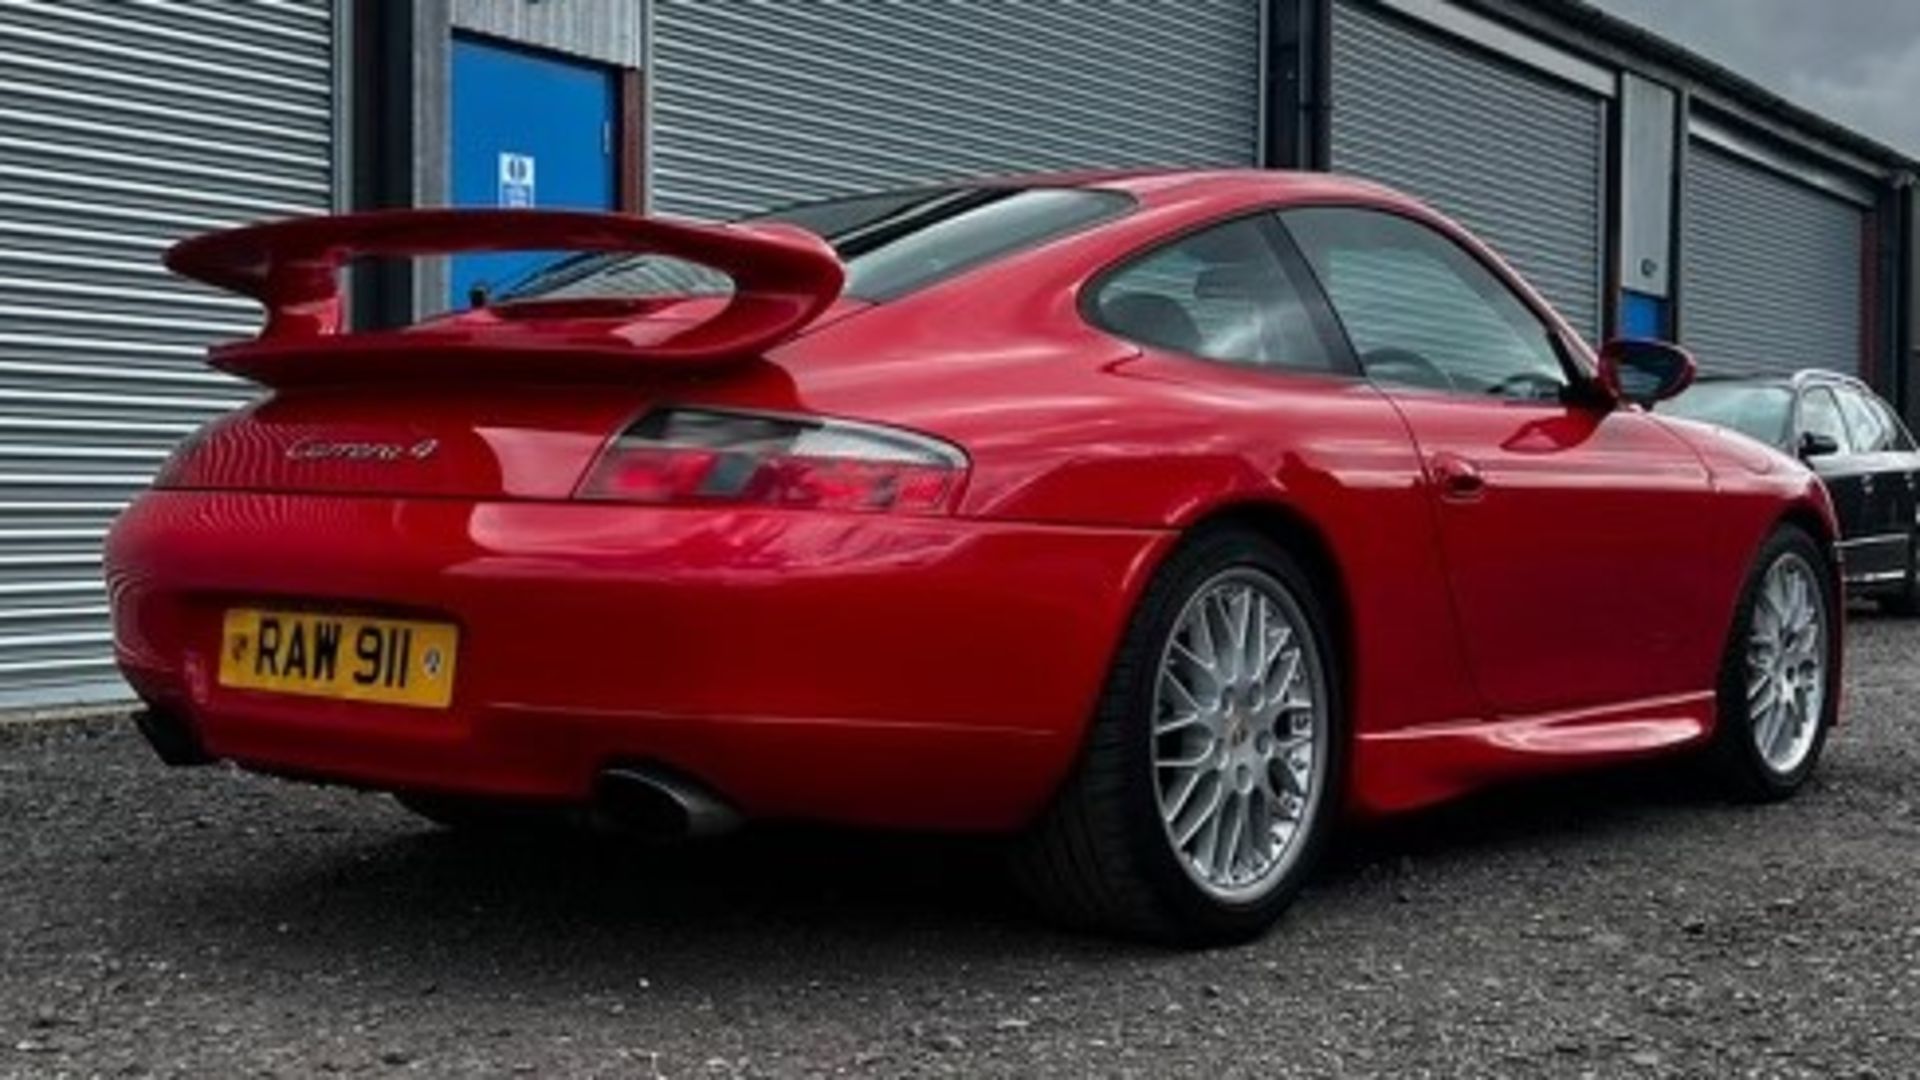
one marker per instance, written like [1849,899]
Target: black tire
[485,816]
[1734,757]
[1905,600]
[1100,857]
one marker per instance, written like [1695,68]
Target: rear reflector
[711,457]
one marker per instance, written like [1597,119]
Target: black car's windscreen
[892,244]
[1759,410]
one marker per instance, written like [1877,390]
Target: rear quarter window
[1223,293]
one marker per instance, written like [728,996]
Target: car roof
[1149,186]
[1798,380]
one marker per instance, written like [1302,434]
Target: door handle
[1459,479]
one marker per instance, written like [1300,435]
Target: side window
[1901,439]
[1820,415]
[1870,432]
[1423,312]
[1221,294]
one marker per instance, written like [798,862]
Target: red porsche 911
[1157,520]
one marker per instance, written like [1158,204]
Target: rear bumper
[862,669]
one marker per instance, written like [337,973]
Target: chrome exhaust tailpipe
[657,801]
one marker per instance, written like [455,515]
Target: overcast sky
[1856,61]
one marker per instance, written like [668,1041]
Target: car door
[1572,531]
[1230,313]
[1846,473]
[1886,495]
[1904,464]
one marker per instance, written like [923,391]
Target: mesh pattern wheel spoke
[1786,664]
[1239,733]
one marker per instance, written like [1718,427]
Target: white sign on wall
[516,180]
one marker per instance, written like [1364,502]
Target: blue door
[528,131]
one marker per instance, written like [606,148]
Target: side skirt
[1404,770]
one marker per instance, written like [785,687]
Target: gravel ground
[205,922]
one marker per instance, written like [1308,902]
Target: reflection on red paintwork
[936,669]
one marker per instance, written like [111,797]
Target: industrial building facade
[1642,189]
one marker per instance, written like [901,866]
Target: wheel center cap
[1240,720]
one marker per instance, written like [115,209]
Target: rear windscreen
[892,244]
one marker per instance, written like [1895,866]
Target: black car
[1858,445]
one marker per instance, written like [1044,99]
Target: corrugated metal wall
[604,30]
[757,104]
[125,124]
[1771,270]
[1517,157]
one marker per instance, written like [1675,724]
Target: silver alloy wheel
[1787,664]
[1239,734]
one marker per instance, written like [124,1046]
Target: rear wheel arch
[1300,537]
[1098,856]
[1277,523]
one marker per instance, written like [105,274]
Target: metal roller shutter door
[1771,274]
[758,104]
[1515,156]
[125,124]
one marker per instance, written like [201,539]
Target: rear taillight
[704,456]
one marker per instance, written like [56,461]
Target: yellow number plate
[392,661]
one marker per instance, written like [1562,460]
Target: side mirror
[1642,372]
[1813,444]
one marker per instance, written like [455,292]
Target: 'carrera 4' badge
[314,450]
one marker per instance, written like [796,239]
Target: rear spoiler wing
[784,277]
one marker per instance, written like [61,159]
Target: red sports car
[1158,519]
